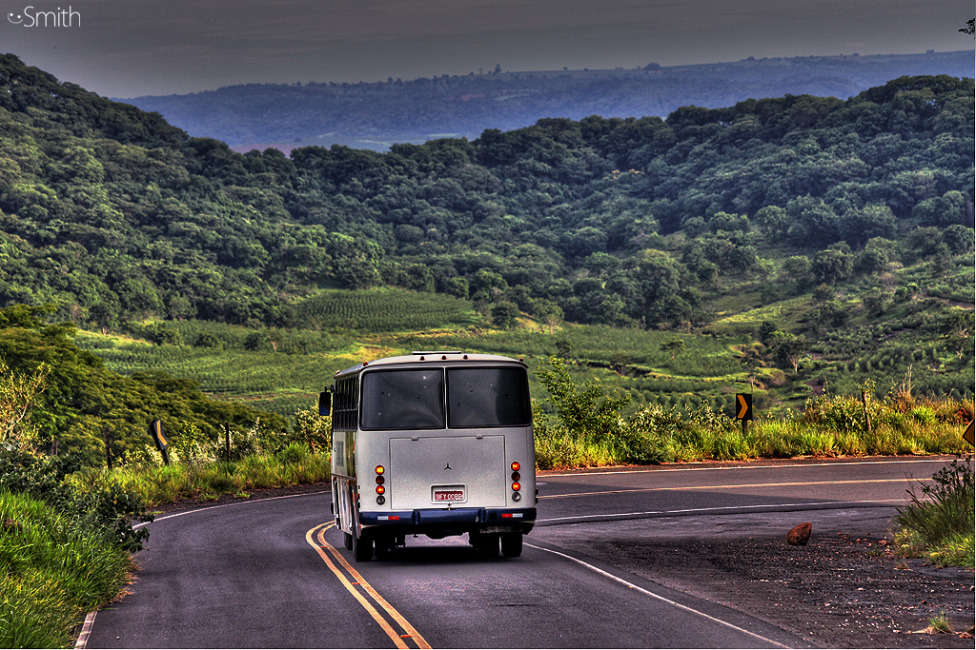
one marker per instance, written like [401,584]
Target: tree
[673,348]
[796,270]
[504,315]
[773,220]
[833,265]
[876,256]
[787,348]
[812,221]
[589,413]
[869,222]
[549,312]
[18,397]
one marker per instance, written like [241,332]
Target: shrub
[588,414]
[940,522]
[106,509]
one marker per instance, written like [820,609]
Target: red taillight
[380,469]
[516,466]
[516,486]
[516,476]
[380,489]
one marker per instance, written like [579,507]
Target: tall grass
[827,427]
[52,572]
[939,523]
[162,484]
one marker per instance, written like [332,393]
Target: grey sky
[125,48]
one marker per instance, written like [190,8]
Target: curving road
[273,573]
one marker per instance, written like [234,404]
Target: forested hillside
[820,227]
[375,115]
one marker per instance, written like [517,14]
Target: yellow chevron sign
[744,411]
[156,431]
[968,435]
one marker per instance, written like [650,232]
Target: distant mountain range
[376,115]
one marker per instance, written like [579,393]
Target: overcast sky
[126,48]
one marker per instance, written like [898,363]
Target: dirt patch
[838,591]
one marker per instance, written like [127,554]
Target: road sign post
[156,431]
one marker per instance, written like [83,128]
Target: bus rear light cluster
[516,477]
[380,487]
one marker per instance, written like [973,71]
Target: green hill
[819,243]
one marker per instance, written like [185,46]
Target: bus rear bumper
[452,521]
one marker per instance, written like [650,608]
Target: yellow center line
[398,639]
[410,631]
[727,487]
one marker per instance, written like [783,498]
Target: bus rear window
[488,397]
[403,399]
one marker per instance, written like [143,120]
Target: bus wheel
[362,548]
[487,545]
[512,544]
[347,541]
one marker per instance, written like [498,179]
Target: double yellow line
[364,592]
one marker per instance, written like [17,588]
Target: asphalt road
[273,573]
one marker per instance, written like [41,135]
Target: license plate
[451,494]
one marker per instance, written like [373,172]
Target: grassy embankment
[53,570]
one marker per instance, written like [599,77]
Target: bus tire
[362,548]
[512,544]
[487,546]
[347,541]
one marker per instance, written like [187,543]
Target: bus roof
[434,357]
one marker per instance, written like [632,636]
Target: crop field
[282,369]
[382,310]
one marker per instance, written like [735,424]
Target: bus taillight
[380,488]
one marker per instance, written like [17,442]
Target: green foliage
[939,522]
[76,402]
[157,484]
[694,430]
[53,571]
[106,510]
[259,275]
[124,219]
[588,414]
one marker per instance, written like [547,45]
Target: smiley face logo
[16,19]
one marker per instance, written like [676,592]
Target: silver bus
[433,443]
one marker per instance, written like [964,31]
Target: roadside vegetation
[64,549]
[940,522]
[587,427]
[53,571]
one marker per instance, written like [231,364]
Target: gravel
[840,590]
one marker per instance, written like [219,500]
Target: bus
[432,443]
